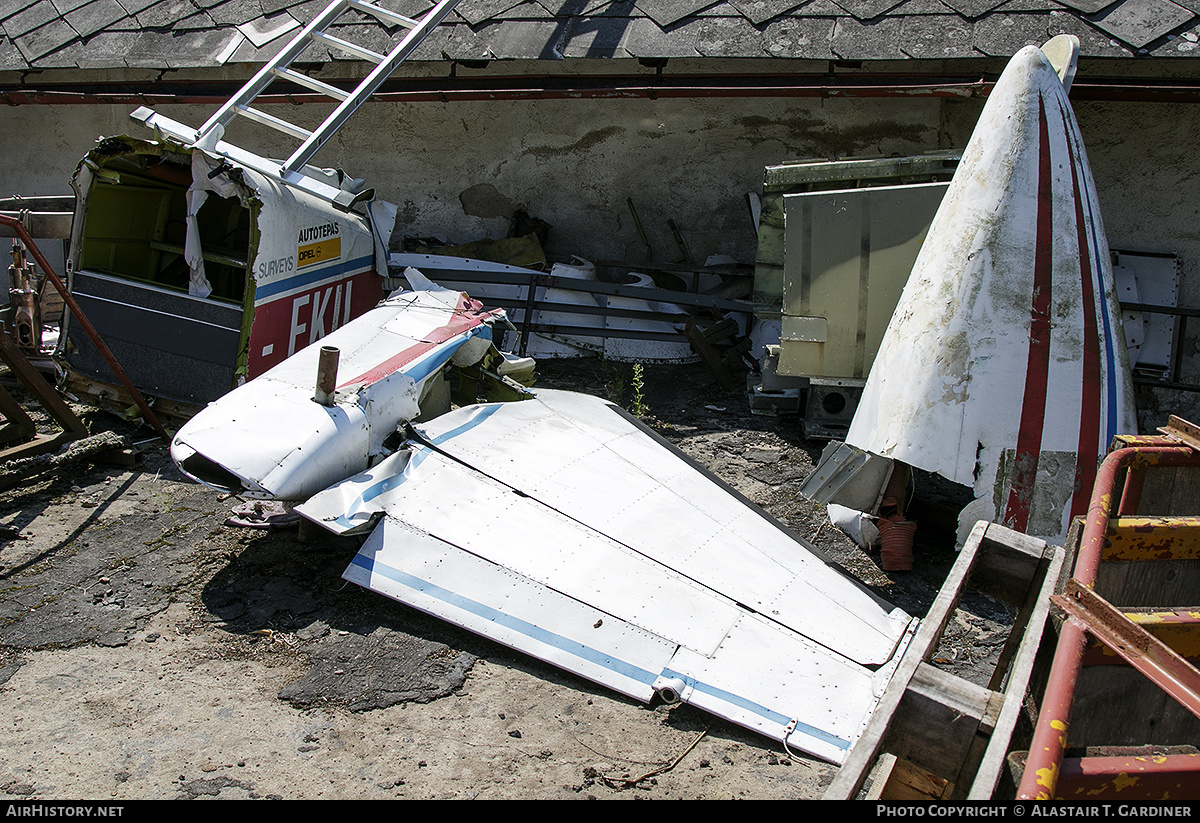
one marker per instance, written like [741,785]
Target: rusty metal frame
[1135,645]
[1157,771]
[1122,471]
[78,315]
[45,395]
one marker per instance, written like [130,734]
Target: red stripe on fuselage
[467,315]
[1033,407]
[285,324]
[1088,452]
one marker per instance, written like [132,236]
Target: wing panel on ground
[582,456]
[500,519]
[762,676]
[435,495]
[763,672]
[430,575]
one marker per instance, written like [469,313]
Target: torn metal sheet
[561,527]
[855,478]
[203,274]
[1003,367]
[1146,279]
[271,439]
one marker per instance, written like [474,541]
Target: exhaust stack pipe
[327,367]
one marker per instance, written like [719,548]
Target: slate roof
[197,33]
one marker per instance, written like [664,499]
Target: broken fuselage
[274,438]
[1003,368]
[201,274]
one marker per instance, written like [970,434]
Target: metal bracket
[1139,648]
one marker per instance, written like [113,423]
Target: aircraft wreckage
[557,524]
[590,542]
[1004,366]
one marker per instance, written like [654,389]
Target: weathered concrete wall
[1147,172]
[459,170]
[575,163]
[43,144]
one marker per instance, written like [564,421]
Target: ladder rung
[1152,538]
[274,122]
[348,47]
[386,15]
[291,171]
[312,83]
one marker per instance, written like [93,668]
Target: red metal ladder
[1115,534]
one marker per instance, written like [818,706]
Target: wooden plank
[711,357]
[1157,491]
[19,425]
[880,776]
[1185,493]
[40,444]
[942,723]
[936,722]
[1119,703]
[1162,584]
[850,777]
[721,330]
[37,386]
[1008,565]
[987,776]
[899,780]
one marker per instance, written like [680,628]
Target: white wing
[561,527]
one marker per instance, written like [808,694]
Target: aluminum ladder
[291,170]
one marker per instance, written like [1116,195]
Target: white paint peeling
[985,355]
